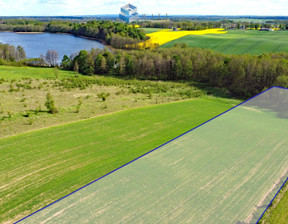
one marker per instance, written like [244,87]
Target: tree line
[117,34]
[184,25]
[9,53]
[202,25]
[243,75]
[105,30]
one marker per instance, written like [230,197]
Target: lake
[36,44]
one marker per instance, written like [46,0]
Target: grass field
[238,42]
[9,72]
[226,171]
[21,98]
[124,95]
[151,30]
[36,172]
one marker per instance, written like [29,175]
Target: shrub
[30,122]
[78,106]
[38,109]
[150,95]
[26,114]
[23,99]
[50,105]
[103,96]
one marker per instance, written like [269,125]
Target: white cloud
[96,7]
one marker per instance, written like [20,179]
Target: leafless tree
[52,57]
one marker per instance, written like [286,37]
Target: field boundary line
[272,200]
[279,188]
[153,151]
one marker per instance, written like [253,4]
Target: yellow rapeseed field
[167,35]
[134,26]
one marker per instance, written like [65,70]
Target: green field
[227,171]
[9,72]
[151,128]
[151,30]
[35,172]
[238,42]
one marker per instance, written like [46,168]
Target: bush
[30,122]
[103,96]
[78,106]
[50,105]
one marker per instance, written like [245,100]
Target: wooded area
[243,75]
[11,53]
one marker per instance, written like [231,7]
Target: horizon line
[164,15]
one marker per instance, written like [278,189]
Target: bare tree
[52,57]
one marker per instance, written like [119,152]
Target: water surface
[36,44]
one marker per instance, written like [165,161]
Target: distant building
[129,13]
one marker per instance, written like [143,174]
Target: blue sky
[179,7]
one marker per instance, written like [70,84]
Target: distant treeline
[116,34]
[146,16]
[184,25]
[201,25]
[243,75]
[10,54]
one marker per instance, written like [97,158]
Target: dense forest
[117,34]
[243,75]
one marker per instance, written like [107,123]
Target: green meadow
[9,72]
[23,93]
[41,166]
[151,30]
[226,171]
[238,42]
